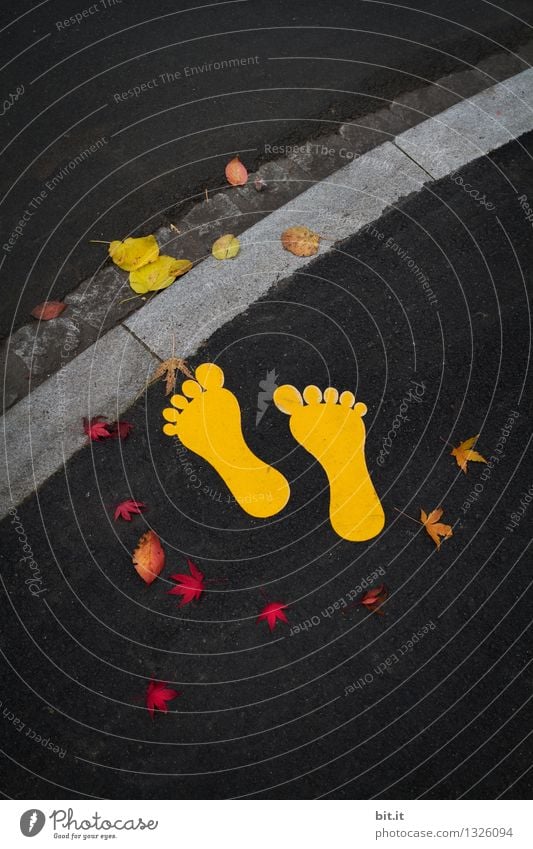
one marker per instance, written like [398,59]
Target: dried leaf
[435,528]
[126,509]
[236,173]
[464,453]
[189,587]
[48,310]
[159,274]
[273,611]
[300,241]
[158,693]
[227,247]
[259,184]
[149,557]
[96,429]
[168,370]
[374,598]
[132,254]
[121,430]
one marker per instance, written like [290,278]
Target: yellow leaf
[435,528]
[300,241]
[132,254]
[465,454]
[227,247]
[159,274]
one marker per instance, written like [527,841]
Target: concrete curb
[101,302]
[43,430]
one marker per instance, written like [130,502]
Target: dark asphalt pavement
[133,80]
[277,716]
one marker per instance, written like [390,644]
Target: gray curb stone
[104,300]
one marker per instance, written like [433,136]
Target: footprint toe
[360,408]
[347,399]
[312,395]
[210,376]
[331,395]
[191,389]
[287,399]
[179,402]
[170,430]
[171,415]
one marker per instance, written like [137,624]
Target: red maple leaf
[96,429]
[272,612]
[189,587]
[374,598]
[158,694]
[126,509]
[121,430]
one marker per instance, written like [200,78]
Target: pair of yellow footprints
[329,427]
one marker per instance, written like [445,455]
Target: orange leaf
[435,528]
[236,173]
[149,557]
[48,310]
[465,454]
[300,241]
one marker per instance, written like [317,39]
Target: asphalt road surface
[349,705]
[133,91]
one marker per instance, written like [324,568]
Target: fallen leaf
[149,557]
[158,693]
[273,611]
[300,241]
[227,247]
[159,274]
[96,429]
[435,528]
[259,184]
[168,370]
[464,453]
[121,430]
[236,173]
[126,509]
[189,587]
[132,254]
[374,598]
[48,310]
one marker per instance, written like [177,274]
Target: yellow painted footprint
[332,430]
[210,425]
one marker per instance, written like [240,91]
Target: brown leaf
[168,370]
[236,173]
[149,557]
[48,310]
[300,241]
[434,528]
